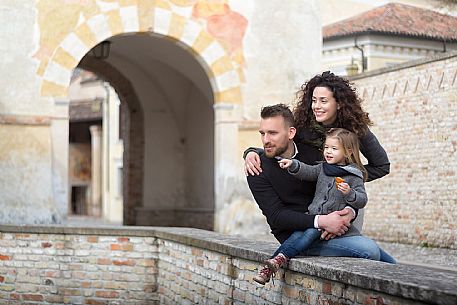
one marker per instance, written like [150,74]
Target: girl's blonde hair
[350,144]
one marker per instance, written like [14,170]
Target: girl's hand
[285,163]
[344,188]
[252,164]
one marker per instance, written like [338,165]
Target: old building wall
[414,107]
[28,121]
[247,57]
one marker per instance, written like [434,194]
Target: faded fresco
[227,26]
[59,21]
[79,163]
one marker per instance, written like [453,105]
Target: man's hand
[336,223]
[327,236]
[351,213]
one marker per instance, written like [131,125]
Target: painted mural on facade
[83,24]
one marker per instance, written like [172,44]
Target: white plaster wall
[113,211]
[282,49]
[199,151]
[59,155]
[25,180]
[18,44]
[34,168]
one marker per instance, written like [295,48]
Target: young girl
[342,161]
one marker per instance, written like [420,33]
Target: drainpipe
[360,48]
[444,46]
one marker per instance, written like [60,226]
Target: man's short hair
[278,110]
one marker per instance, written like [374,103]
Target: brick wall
[414,107]
[197,276]
[125,265]
[77,269]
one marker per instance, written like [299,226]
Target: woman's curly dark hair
[350,116]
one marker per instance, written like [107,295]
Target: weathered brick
[5,257]
[125,262]
[32,297]
[52,273]
[109,294]
[146,262]
[327,287]
[373,300]
[121,247]
[70,292]
[95,302]
[116,285]
[92,239]
[291,292]
[15,296]
[104,261]
[5,287]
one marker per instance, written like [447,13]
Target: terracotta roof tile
[397,19]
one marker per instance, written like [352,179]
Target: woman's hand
[252,164]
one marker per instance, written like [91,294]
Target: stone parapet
[157,265]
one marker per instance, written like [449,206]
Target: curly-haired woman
[329,101]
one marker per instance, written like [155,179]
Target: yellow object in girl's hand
[338,180]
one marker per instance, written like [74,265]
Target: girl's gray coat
[327,198]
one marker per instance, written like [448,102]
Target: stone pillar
[60,146]
[226,155]
[96,184]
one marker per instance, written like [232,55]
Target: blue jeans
[298,242]
[350,246]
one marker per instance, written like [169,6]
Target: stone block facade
[414,107]
[153,265]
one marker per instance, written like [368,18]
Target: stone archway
[216,61]
[223,76]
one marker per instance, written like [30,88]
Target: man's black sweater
[284,199]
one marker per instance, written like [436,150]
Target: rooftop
[396,19]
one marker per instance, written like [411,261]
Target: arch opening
[167,101]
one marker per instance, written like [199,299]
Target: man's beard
[277,152]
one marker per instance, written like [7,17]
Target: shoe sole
[272,267]
[260,282]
